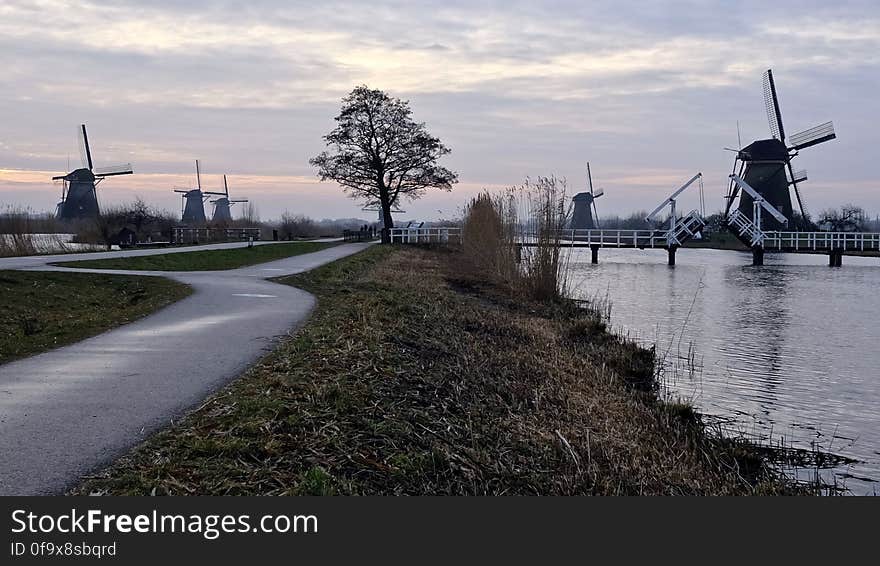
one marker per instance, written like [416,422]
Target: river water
[786,352]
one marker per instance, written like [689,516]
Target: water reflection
[787,350]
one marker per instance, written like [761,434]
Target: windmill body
[582,218]
[585,205]
[80,200]
[194,207]
[766,165]
[222,211]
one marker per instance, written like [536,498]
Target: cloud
[515,88]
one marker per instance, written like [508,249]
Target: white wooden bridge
[679,230]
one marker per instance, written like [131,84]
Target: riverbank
[42,310]
[416,377]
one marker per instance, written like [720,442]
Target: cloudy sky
[648,92]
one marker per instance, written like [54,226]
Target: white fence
[441,235]
[822,241]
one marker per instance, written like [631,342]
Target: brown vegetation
[513,237]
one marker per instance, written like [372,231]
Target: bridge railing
[821,241]
[612,238]
[441,235]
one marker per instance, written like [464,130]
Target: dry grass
[496,225]
[17,233]
[416,377]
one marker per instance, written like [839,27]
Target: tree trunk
[387,221]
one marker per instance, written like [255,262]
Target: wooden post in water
[672,249]
[835,258]
[594,254]
[758,255]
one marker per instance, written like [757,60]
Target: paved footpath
[70,411]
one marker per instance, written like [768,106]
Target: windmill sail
[85,153]
[813,136]
[771,102]
[112,170]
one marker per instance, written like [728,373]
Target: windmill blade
[235,200]
[799,176]
[85,153]
[598,193]
[733,188]
[596,212]
[374,206]
[797,193]
[198,176]
[225,186]
[771,102]
[112,170]
[589,177]
[813,136]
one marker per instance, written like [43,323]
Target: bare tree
[380,154]
[297,226]
[848,218]
[250,214]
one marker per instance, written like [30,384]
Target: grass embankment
[206,260]
[43,310]
[415,377]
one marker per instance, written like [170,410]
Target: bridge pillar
[672,249]
[594,254]
[835,258]
[757,255]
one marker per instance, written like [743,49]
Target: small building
[125,238]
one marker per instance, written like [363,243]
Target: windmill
[193,201]
[79,197]
[222,212]
[374,206]
[765,165]
[585,206]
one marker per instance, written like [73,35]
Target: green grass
[207,260]
[43,310]
[414,376]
